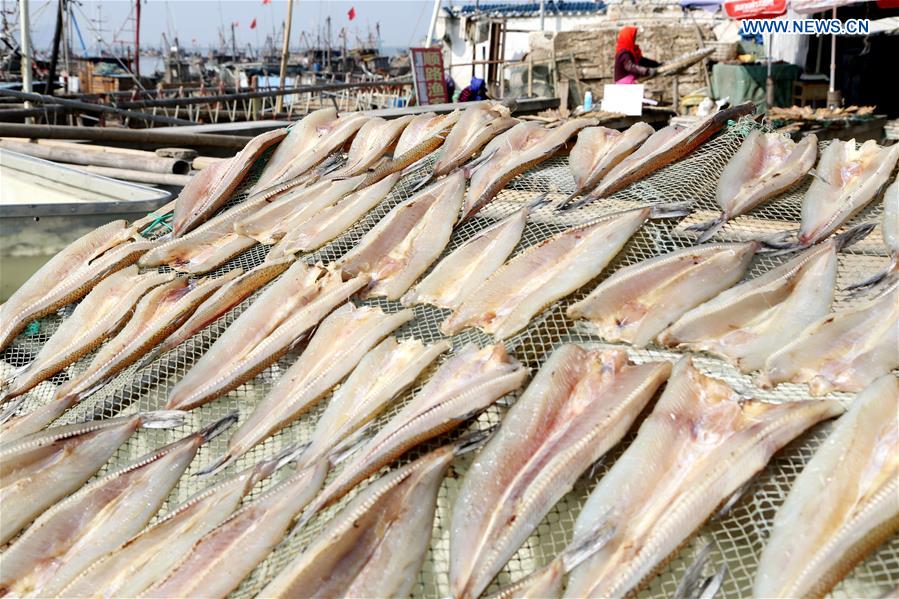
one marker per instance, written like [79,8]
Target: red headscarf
[627,38]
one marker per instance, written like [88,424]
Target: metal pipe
[285,52]
[542,15]
[88,107]
[433,25]
[25,37]
[138,176]
[152,137]
[154,164]
[54,54]
[136,41]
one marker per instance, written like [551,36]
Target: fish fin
[474,441]
[423,183]
[869,282]
[289,454]
[780,241]
[214,429]
[733,500]
[887,278]
[853,235]
[162,419]
[694,584]
[570,204]
[707,228]
[595,466]
[149,358]
[217,466]
[469,168]
[349,446]
[10,410]
[539,201]
[582,549]
[670,210]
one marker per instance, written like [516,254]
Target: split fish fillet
[699,445]
[848,178]
[376,545]
[543,273]
[384,372]
[373,140]
[212,187]
[465,384]
[599,149]
[747,323]
[843,351]
[308,143]
[334,218]
[280,316]
[665,146]
[149,556]
[70,536]
[577,407]
[408,240]
[637,302]
[842,505]
[477,125]
[339,343]
[93,321]
[70,275]
[463,271]
[889,228]
[41,469]
[424,134]
[270,223]
[766,165]
[222,558]
[508,155]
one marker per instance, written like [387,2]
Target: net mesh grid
[737,537]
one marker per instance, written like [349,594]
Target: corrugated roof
[527,9]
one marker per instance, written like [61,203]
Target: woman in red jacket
[629,60]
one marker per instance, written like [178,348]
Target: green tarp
[746,83]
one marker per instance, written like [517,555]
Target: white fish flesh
[889,228]
[459,274]
[842,505]
[376,545]
[747,323]
[373,140]
[847,179]
[465,384]
[637,302]
[543,273]
[599,149]
[408,240]
[69,537]
[699,445]
[222,558]
[477,125]
[843,351]
[577,407]
[339,343]
[274,322]
[41,469]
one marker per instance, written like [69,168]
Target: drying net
[736,538]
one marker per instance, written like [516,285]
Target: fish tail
[853,235]
[162,419]
[780,241]
[708,228]
[213,430]
[571,204]
[474,441]
[424,182]
[584,548]
[670,210]
[871,281]
[217,466]
[151,357]
[10,410]
[471,167]
[539,201]
[694,584]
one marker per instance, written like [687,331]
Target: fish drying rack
[736,537]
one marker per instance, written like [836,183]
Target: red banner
[427,74]
[755,9]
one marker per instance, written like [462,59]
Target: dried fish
[70,536]
[41,469]
[339,343]
[890,230]
[599,149]
[843,503]
[265,331]
[477,125]
[459,274]
[577,407]
[465,384]
[844,351]
[408,240]
[700,443]
[637,302]
[374,139]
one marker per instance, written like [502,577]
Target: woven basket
[723,50]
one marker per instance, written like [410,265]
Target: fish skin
[577,407]
[408,240]
[843,351]
[599,149]
[523,146]
[70,275]
[93,321]
[67,538]
[384,373]
[843,503]
[700,444]
[460,273]
[339,343]
[265,331]
[747,323]
[544,272]
[848,178]
[212,187]
[374,139]
[271,223]
[43,468]
[376,545]
[334,219]
[310,141]
[467,382]
[477,125]
[638,302]
[668,145]
[147,557]
[220,560]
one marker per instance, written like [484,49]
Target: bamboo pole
[153,164]
[285,52]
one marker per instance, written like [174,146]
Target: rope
[161,219]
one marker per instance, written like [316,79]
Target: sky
[403,22]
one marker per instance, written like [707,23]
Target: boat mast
[136,40]
[285,52]
[25,37]
[54,52]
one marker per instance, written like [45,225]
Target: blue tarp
[707,5]
[553,7]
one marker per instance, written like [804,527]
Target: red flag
[351,13]
[253,24]
[266,1]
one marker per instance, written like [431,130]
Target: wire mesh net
[737,537]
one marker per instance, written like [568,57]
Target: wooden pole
[25,40]
[160,137]
[138,176]
[136,41]
[285,52]
[155,164]
[54,54]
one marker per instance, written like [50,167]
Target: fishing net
[736,537]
